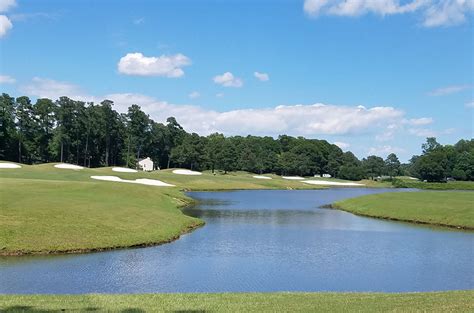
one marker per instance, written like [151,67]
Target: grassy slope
[447,208]
[53,215]
[453,301]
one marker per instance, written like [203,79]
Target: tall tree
[392,165]
[26,124]
[7,127]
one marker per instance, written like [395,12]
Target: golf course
[46,209]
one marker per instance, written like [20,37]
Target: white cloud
[470,104]
[422,132]
[443,91]
[228,80]
[389,133]
[6,5]
[448,12]
[342,145]
[309,120]
[263,77]
[5,79]
[5,22]
[434,12]
[49,88]
[140,65]
[314,7]
[360,7]
[384,150]
[219,95]
[420,121]
[194,95]
[5,25]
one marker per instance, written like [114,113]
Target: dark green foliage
[96,135]
[438,162]
[373,165]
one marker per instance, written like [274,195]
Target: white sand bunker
[293,177]
[141,181]
[186,172]
[151,182]
[9,165]
[124,170]
[330,183]
[261,177]
[69,166]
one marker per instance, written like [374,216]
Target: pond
[262,241]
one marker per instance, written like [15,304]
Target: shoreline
[187,230]
[395,219]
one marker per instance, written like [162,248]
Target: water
[265,241]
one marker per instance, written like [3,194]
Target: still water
[265,241]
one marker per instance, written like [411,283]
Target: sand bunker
[330,183]
[151,182]
[141,181]
[108,178]
[124,170]
[186,172]
[68,166]
[261,177]
[9,165]
[293,177]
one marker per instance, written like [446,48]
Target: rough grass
[452,301]
[445,208]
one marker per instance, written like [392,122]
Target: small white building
[317,175]
[145,164]
[327,175]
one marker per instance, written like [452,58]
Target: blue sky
[373,76]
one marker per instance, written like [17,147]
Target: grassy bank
[52,216]
[452,301]
[444,208]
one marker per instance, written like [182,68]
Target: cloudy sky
[373,76]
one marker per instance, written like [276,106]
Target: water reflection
[264,241]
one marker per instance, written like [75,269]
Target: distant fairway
[445,208]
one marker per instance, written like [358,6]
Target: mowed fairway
[452,301]
[445,208]
[53,215]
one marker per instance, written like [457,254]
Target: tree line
[439,163]
[93,135]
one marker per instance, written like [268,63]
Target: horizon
[370,79]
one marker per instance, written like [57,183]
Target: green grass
[445,208]
[48,210]
[452,301]
[451,185]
